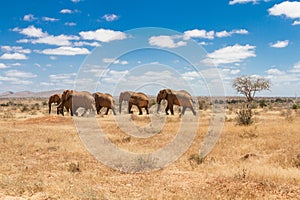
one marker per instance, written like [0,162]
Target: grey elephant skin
[179,98]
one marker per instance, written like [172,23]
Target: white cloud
[70,24]
[111,60]
[92,44]
[56,77]
[103,35]
[75,1]
[16,64]
[110,17]
[29,17]
[52,58]
[274,71]
[49,19]
[19,74]
[296,68]
[230,54]
[232,2]
[31,31]
[230,33]
[295,23]
[60,40]
[165,41]
[66,11]
[67,51]
[223,34]
[235,71]
[3,66]
[280,44]
[44,38]
[286,8]
[37,65]
[16,49]
[13,56]
[196,33]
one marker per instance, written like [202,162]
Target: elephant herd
[72,100]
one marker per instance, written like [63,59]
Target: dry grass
[42,157]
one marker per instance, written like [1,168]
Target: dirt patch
[49,119]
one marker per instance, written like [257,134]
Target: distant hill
[29,94]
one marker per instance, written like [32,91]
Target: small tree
[249,86]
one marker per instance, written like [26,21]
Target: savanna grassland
[42,157]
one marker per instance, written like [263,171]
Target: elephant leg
[192,109]
[140,110]
[146,108]
[129,108]
[106,113]
[183,110]
[71,111]
[172,109]
[113,109]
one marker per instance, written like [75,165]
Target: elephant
[180,98]
[104,100]
[55,98]
[74,100]
[139,99]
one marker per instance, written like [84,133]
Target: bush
[295,106]
[262,103]
[244,117]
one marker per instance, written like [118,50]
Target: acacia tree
[249,86]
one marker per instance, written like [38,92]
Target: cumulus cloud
[67,51]
[275,71]
[280,44]
[29,17]
[286,8]
[196,33]
[60,40]
[31,31]
[103,35]
[230,54]
[3,66]
[110,17]
[13,56]
[16,49]
[165,41]
[41,37]
[295,23]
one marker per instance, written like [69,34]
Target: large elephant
[139,99]
[104,100]
[55,98]
[180,98]
[75,100]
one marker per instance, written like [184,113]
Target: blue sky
[44,44]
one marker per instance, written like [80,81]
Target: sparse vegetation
[42,157]
[249,86]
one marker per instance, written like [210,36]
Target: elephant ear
[69,94]
[168,91]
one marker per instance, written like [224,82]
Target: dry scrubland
[42,157]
